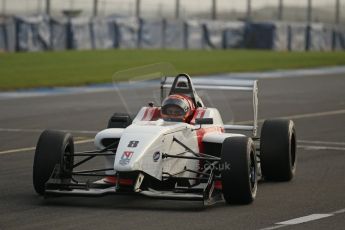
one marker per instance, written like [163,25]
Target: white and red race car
[187,154]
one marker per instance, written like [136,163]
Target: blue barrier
[174,36]
[39,33]
[224,34]
[32,33]
[338,39]
[3,38]
[104,33]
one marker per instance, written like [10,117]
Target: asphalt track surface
[316,104]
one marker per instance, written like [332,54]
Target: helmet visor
[174,107]
[173,110]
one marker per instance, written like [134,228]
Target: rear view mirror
[204,121]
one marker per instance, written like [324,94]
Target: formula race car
[178,150]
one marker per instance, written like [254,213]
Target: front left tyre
[54,149]
[119,120]
[278,150]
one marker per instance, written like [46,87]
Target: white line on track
[17,150]
[319,114]
[321,142]
[300,116]
[40,130]
[297,116]
[339,211]
[33,148]
[304,219]
[312,147]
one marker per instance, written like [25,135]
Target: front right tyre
[238,170]
[54,149]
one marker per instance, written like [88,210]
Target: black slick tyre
[238,170]
[278,150]
[54,149]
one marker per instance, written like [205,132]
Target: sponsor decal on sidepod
[126,157]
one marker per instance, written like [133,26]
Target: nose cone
[138,147]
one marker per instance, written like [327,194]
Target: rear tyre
[53,149]
[119,120]
[239,182]
[278,150]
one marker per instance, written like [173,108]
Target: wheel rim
[293,151]
[252,173]
[67,161]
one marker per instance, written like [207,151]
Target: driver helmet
[177,107]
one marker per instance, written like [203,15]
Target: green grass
[27,70]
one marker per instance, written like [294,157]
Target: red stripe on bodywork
[202,113]
[199,113]
[113,180]
[201,133]
[145,114]
[151,114]
[126,181]
[110,179]
[156,115]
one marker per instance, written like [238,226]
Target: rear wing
[250,86]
